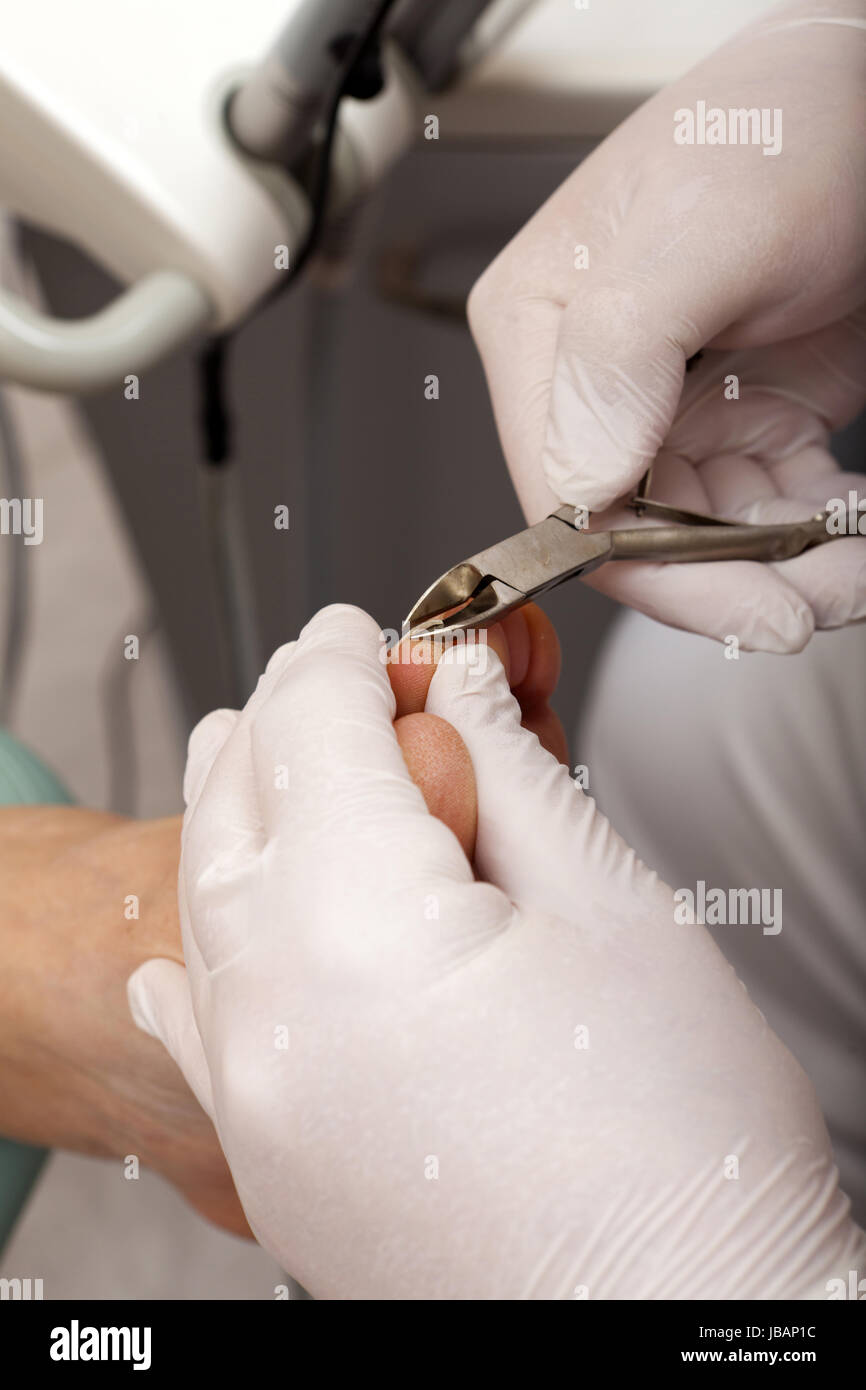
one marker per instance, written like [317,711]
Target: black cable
[216,425]
[361,77]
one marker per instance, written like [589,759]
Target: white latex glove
[758,258]
[435,1127]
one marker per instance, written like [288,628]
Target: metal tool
[481,590]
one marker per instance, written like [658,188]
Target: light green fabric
[24,781]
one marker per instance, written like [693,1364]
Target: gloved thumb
[617,378]
[573,857]
[161,1005]
[621,351]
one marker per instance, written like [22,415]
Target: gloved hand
[535,1084]
[758,258]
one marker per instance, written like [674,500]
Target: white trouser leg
[751,773]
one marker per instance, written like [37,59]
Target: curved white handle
[140,326]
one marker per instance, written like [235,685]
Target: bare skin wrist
[85,898]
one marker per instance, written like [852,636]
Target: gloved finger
[205,742]
[830,578]
[621,353]
[575,857]
[526,643]
[211,733]
[744,599]
[738,490]
[412,661]
[528,647]
[160,1004]
[589,391]
[515,331]
[789,396]
[328,764]
[732,598]
[742,488]
[228,821]
[516,308]
[819,486]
